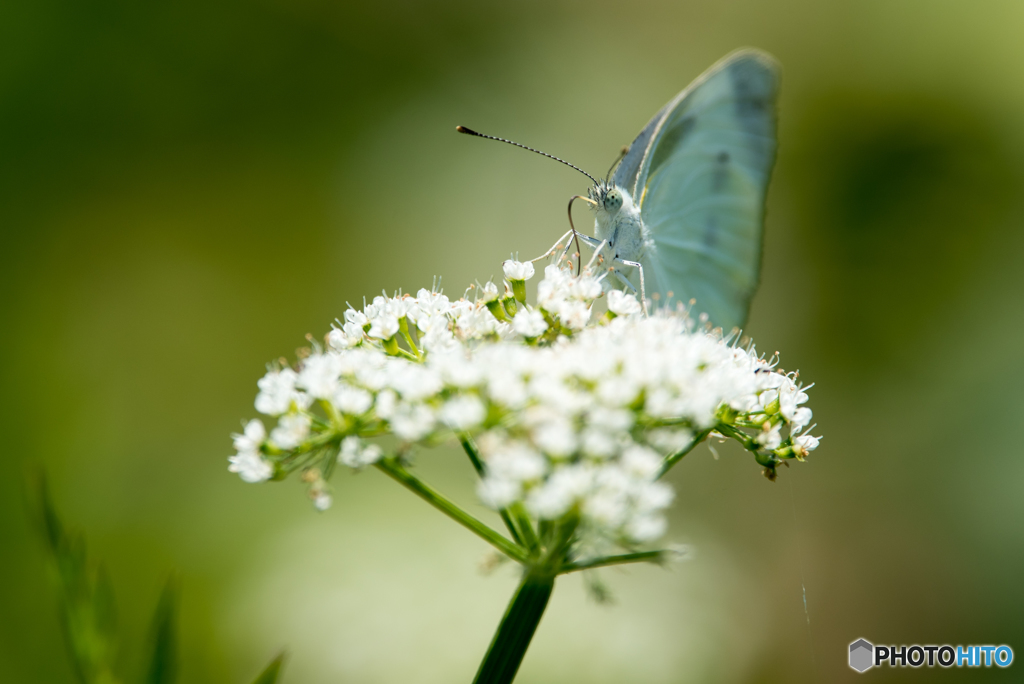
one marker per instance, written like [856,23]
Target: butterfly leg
[555,247]
[640,268]
[624,280]
[593,243]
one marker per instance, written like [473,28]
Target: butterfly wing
[699,172]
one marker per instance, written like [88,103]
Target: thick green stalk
[516,629]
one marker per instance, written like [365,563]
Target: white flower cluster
[574,409]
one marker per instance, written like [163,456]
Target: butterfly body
[617,221]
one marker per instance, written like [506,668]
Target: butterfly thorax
[618,221]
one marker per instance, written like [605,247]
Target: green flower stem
[474,455]
[525,526]
[391,346]
[517,627]
[403,327]
[672,459]
[523,532]
[519,290]
[638,557]
[495,307]
[510,306]
[438,501]
[743,438]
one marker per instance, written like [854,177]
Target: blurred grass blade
[163,662]
[269,675]
[86,599]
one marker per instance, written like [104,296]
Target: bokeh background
[188,188]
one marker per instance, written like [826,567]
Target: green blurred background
[188,188]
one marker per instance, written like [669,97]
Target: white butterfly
[685,204]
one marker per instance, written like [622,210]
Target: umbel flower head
[570,412]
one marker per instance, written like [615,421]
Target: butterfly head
[608,198]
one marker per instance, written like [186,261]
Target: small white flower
[556,438]
[291,431]
[489,292]
[371,454]
[801,418]
[357,318]
[598,443]
[383,326]
[277,391]
[529,323]
[378,306]
[770,439]
[353,333]
[438,340]
[554,289]
[498,493]
[574,314]
[250,466]
[415,382]
[611,419]
[618,390]
[385,404]
[400,307]
[518,270]
[319,375]
[585,287]
[640,461]
[355,454]
[516,462]
[563,489]
[463,413]
[765,398]
[790,397]
[507,388]
[338,340]
[655,496]
[322,501]
[646,528]
[412,421]
[433,303]
[608,508]
[476,322]
[804,444]
[457,370]
[252,437]
[622,304]
[352,400]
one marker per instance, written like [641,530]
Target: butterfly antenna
[469,131]
[622,155]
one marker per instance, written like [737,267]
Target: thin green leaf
[269,675]
[85,598]
[163,662]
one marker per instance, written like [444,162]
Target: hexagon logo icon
[861,655]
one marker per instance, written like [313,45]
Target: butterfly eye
[613,200]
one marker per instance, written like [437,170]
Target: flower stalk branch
[656,557]
[395,471]
[672,459]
